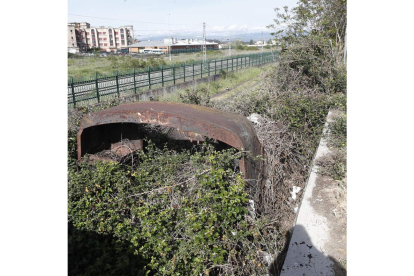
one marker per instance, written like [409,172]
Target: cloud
[235,29]
[218,30]
[232,27]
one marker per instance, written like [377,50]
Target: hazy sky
[185,17]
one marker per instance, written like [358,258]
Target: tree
[321,19]
[312,37]
[251,42]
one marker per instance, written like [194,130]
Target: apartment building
[82,37]
[72,42]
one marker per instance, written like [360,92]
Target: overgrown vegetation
[334,164]
[176,210]
[242,47]
[337,131]
[204,91]
[79,66]
[127,63]
[187,211]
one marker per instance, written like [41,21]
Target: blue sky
[185,17]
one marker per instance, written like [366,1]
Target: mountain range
[243,37]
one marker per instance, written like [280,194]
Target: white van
[157,51]
[152,51]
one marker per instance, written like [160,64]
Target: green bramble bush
[179,213]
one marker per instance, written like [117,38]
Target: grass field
[88,66]
[243,79]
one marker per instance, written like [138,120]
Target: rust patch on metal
[124,148]
[191,122]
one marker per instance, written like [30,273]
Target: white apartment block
[81,37]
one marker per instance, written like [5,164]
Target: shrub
[114,61]
[337,131]
[156,62]
[70,55]
[333,165]
[179,213]
[195,96]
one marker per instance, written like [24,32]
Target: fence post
[149,77]
[232,64]
[215,67]
[117,83]
[193,70]
[162,75]
[184,71]
[201,70]
[73,92]
[208,64]
[135,83]
[174,72]
[245,61]
[227,64]
[97,88]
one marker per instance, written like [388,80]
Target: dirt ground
[226,93]
[330,202]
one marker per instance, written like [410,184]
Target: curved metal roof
[232,129]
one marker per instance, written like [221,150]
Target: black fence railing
[99,87]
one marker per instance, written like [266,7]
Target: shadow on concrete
[90,253]
[300,257]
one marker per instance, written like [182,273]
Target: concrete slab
[306,254]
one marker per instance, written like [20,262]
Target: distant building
[176,45]
[82,37]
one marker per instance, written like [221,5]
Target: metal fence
[99,87]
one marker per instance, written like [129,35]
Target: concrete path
[307,253]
